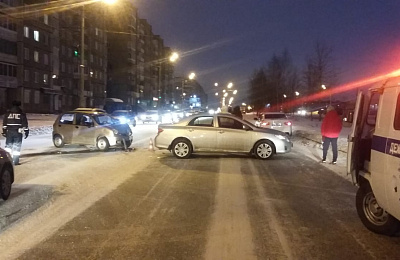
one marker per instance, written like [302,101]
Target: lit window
[45,79]
[46,19]
[36,35]
[36,56]
[26,31]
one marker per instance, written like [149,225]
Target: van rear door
[354,138]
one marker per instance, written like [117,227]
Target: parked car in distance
[150,116]
[275,120]
[90,128]
[124,117]
[220,133]
[6,174]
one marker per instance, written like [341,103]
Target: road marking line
[230,236]
[269,210]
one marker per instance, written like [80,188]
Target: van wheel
[102,144]
[58,141]
[374,218]
[5,183]
[182,148]
[264,149]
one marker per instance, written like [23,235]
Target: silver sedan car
[220,133]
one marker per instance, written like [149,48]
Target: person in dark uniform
[15,125]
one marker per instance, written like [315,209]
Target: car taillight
[160,130]
[288,123]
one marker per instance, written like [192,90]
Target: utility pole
[82,101]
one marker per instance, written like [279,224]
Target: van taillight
[160,130]
[288,123]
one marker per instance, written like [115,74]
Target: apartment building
[9,65]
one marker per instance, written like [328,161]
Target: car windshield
[274,116]
[121,113]
[103,119]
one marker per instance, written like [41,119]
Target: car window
[227,122]
[202,121]
[274,116]
[103,119]
[82,119]
[67,119]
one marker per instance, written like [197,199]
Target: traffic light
[76,51]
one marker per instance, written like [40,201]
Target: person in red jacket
[330,130]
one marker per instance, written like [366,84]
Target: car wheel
[128,143]
[102,144]
[5,183]
[58,141]
[182,148]
[374,218]
[264,149]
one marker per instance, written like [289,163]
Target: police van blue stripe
[386,145]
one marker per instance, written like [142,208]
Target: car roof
[87,112]
[89,109]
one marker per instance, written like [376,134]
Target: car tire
[128,143]
[58,141]
[5,182]
[102,144]
[182,148]
[264,149]
[374,218]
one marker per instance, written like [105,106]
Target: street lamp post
[82,100]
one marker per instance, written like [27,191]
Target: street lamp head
[174,56]
[323,86]
[109,2]
[224,90]
[226,94]
[216,84]
[230,84]
[284,95]
[192,75]
[297,93]
[216,93]
[234,92]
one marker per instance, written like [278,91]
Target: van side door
[354,138]
[392,160]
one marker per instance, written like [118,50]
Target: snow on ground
[306,137]
[39,123]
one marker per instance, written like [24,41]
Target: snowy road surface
[84,204]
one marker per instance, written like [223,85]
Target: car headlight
[281,137]
[123,120]
[115,131]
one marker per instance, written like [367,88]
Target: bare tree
[320,69]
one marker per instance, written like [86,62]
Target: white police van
[373,157]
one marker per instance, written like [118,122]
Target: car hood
[122,128]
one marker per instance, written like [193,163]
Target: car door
[202,133]
[65,127]
[233,135]
[354,139]
[84,130]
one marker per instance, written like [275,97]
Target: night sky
[226,40]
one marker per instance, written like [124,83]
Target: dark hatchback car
[6,174]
